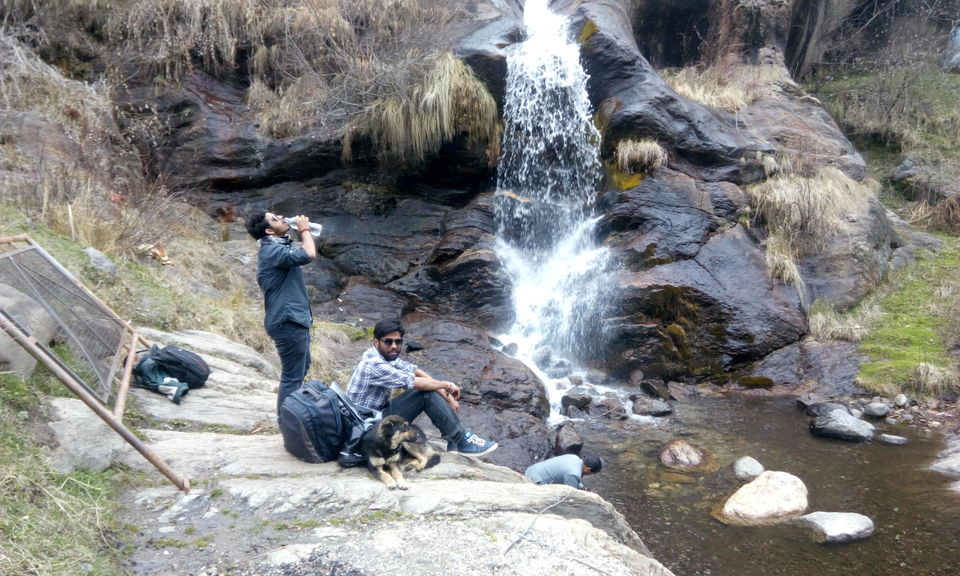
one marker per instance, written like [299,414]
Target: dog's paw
[394,486]
[403,485]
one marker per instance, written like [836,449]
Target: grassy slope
[912,318]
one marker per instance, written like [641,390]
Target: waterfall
[548,177]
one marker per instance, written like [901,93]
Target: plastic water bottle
[315,228]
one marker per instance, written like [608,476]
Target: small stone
[837,527]
[900,401]
[891,439]
[747,468]
[876,410]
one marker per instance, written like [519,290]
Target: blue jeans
[412,403]
[293,346]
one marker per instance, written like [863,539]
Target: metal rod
[39,351]
[121,402]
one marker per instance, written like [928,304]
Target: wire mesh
[89,338]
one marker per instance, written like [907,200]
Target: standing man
[381,372]
[567,469]
[287,316]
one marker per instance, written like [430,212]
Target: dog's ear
[386,427]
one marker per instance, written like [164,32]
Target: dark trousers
[412,403]
[293,346]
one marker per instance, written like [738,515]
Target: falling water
[548,178]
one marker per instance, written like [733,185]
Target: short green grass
[917,324]
[51,524]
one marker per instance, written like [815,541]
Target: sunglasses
[392,341]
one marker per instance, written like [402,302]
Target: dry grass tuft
[808,210]
[726,89]
[932,380]
[946,215]
[449,100]
[801,213]
[640,156]
[825,323]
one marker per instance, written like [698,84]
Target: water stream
[915,514]
[549,174]
[548,177]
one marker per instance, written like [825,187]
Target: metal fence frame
[117,380]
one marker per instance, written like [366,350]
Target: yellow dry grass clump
[640,156]
[802,212]
[449,100]
[727,88]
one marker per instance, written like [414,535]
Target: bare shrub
[164,35]
[946,215]
[639,156]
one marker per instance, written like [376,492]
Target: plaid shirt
[374,379]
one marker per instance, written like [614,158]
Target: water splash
[548,177]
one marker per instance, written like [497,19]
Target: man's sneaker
[472,445]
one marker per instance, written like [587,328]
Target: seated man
[381,372]
[566,469]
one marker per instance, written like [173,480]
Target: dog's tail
[433,461]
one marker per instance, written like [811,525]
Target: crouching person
[567,469]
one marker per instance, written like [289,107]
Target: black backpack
[319,424]
[184,365]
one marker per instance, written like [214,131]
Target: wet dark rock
[610,408]
[568,439]
[693,317]
[646,406]
[212,139]
[574,412]
[831,367]
[702,142]
[575,381]
[842,425]
[510,349]
[501,400]
[363,304]
[578,401]
[485,51]
[667,216]
[656,388]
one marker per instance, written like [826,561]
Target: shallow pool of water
[915,514]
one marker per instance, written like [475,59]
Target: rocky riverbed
[253,509]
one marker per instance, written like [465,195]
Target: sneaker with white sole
[472,445]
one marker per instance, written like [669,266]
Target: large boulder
[31,316]
[772,497]
[694,317]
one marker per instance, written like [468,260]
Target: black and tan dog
[392,444]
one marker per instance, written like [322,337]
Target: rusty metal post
[38,351]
